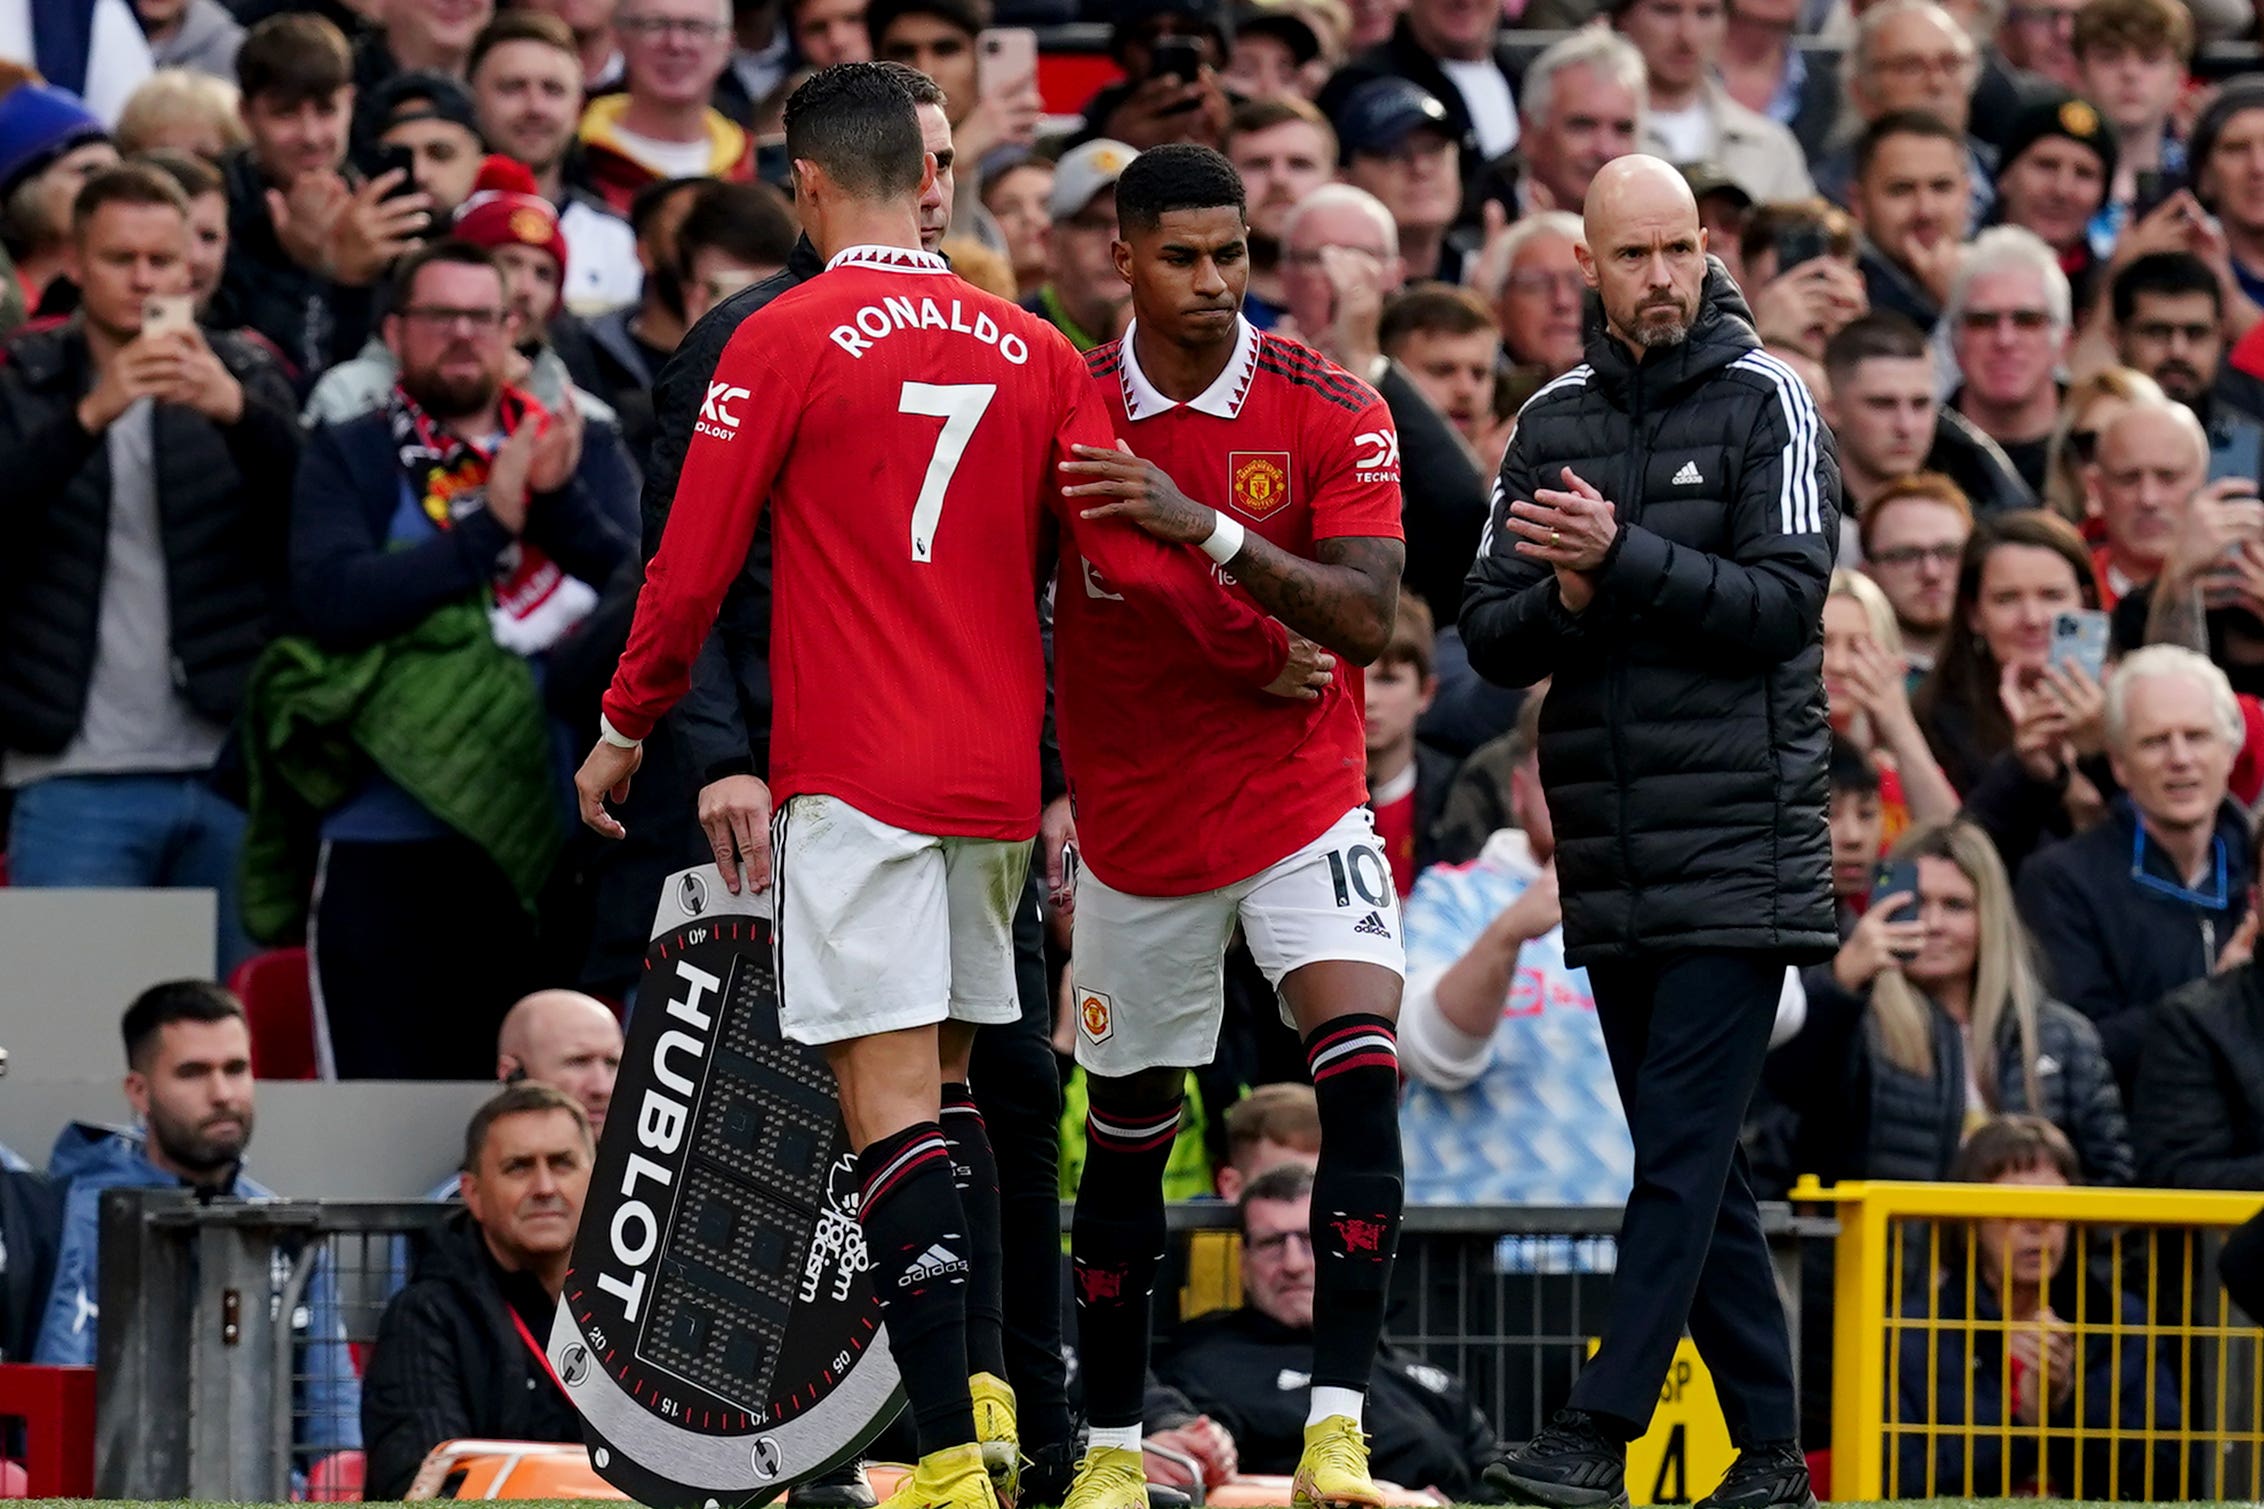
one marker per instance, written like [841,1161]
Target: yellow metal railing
[2152,1388]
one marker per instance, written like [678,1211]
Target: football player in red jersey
[905,429]
[1290,471]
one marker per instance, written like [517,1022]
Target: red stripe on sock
[1377,1060]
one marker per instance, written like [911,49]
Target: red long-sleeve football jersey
[1184,780]
[907,429]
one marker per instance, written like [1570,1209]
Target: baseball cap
[1275,19]
[39,123]
[419,96]
[1707,178]
[1083,172]
[1382,113]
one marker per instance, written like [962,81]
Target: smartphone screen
[2080,638]
[1006,60]
[1179,57]
[166,313]
[1800,243]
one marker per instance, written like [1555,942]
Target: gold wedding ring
[1556,538]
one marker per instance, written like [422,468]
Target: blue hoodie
[90,1159]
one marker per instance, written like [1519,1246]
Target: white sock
[1125,1437]
[1335,1401]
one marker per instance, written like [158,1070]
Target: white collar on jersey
[888,259]
[1222,399]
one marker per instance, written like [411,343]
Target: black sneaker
[842,1488]
[1569,1465]
[1047,1472]
[1767,1473]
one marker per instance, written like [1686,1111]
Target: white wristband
[1225,540]
[614,736]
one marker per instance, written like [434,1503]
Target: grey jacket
[206,42]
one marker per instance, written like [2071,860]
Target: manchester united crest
[1258,481]
[1094,1016]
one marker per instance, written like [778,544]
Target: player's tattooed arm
[1343,599]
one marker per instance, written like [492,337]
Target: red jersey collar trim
[888,259]
[1222,399]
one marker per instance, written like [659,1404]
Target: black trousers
[1686,1034]
[418,951]
[1017,1085]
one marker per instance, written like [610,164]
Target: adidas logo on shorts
[1372,925]
[937,1262]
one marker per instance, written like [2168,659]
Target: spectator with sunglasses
[2009,318]
[2154,896]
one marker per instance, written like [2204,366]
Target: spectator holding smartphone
[1930,1018]
[1171,52]
[2153,896]
[1864,683]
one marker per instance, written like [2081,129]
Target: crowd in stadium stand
[332,333]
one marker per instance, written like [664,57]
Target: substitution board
[717,1331]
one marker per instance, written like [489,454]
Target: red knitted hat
[505,210]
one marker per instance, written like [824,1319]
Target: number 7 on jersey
[960,406]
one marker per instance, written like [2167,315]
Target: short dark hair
[1851,769]
[522,26]
[2011,1145]
[1284,1181]
[127,183]
[1768,222]
[290,59]
[1180,175]
[1881,333]
[527,1097]
[1433,308]
[924,90]
[966,15]
[2166,273]
[402,285]
[160,1006]
[1414,637]
[751,222]
[194,175]
[1901,123]
[649,200]
[856,121]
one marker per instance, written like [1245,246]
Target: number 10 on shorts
[1361,869]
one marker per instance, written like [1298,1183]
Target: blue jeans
[133,831]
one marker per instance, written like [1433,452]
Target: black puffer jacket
[1683,742]
[2197,1115]
[1865,1117]
[223,504]
[449,1364]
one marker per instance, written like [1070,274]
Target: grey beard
[1653,337]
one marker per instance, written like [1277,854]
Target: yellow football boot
[1333,1472]
[1109,1478]
[953,1478]
[994,1430]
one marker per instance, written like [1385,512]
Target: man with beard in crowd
[2169,313]
[1659,628]
[189,1083]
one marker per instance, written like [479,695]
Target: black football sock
[974,1173]
[1116,1241]
[1357,1190]
[917,1248]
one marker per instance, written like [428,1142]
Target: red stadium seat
[280,1005]
[336,1479]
